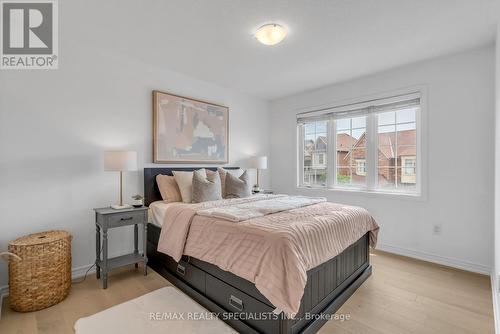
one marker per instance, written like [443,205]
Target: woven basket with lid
[42,277]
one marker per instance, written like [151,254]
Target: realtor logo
[29,34]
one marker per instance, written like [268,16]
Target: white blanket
[244,211]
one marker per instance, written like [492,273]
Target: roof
[319,145]
[345,142]
[406,142]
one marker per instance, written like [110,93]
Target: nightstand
[106,218]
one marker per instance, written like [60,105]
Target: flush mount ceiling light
[271,34]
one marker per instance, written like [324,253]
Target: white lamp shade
[120,160]
[258,162]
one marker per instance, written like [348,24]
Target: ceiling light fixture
[271,34]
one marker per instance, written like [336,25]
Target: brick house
[394,149]
[315,159]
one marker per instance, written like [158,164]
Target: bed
[238,301]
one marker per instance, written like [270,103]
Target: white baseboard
[76,273]
[446,261]
[80,271]
[496,300]
[4,291]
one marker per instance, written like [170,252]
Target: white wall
[496,269]
[460,132]
[54,126]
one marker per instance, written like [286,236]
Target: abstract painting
[189,131]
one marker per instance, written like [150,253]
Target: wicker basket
[42,277]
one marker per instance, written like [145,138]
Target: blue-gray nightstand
[106,218]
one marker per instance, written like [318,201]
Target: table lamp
[120,161]
[257,163]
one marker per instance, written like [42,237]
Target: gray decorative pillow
[238,187]
[206,188]
[223,172]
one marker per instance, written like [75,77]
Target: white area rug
[166,310]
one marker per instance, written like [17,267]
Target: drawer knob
[129,218]
[236,303]
[181,270]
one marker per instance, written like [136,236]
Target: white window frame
[371,141]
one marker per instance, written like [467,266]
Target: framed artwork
[189,131]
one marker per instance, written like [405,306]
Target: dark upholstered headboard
[151,191]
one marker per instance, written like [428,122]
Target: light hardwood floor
[402,296]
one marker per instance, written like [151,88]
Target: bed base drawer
[241,306]
[188,273]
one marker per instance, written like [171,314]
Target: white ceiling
[328,41]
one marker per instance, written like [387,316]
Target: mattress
[158,209]
[157,212]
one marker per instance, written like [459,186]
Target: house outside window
[314,146]
[368,146]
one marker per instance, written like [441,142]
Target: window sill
[377,193]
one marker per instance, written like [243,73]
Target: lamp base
[256,188]
[121,207]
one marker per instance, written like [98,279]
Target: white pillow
[185,183]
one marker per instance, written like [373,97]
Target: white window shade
[358,109]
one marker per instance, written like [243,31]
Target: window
[361,167]
[409,170]
[321,159]
[370,146]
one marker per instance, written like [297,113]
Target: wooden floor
[402,296]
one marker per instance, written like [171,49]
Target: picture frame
[189,131]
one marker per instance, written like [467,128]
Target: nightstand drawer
[126,218]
